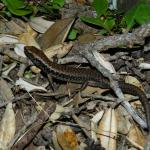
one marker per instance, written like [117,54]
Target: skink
[82,75]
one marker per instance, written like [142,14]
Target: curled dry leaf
[55,142]
[58,50]
[39,24]
[94,122]
[19,50]
[107,130]
[57,113]
[9,68]
[134,81]
[28,86]
[7,127]
[66,137]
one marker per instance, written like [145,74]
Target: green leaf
[55,6]
[102,32]
[130,18]
[110,23]
[107,24]
[72,34]
[143,14]
[17,7]
[59,2]
[100,6]
[140,14]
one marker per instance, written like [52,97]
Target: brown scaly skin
[82,75]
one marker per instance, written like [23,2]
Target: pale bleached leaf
[96,118]
[7,127]
[19,50]
[39,24]
[145,66]
[99,57]
[28,86]
[107,130]
[9,68]
[58,111]
[8,39]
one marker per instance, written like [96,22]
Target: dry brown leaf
[15,28]
[12,27]
[59,50]
[90,90]
[86,38]
[27,38]
[57,33]
[58,111]
[5,91]
[31,31]
[69,88]
[107,130]
[66,137]
[136,135]
[123,123]
[36,123]
[7,127]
